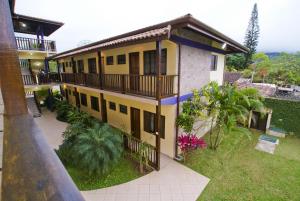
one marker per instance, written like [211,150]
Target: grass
[286,114]
[126,170]
[238,172]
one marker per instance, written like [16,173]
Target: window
[122,59]
[214,62]
[150,62]
[92,65]
[110,60]
[63,65]
[69,91]
[67,64]
[70,64]
[123,109]
[112,105]
[95,103]
[74,93]
[80,66]
[149,123]
[83,99]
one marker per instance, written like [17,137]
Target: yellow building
[136,81]
[33,49]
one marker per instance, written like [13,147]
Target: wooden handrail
[143,85]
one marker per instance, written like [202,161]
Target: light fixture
[23,24]
[224,46]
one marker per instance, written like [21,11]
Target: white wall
[218,74]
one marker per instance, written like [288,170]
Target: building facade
[136,81]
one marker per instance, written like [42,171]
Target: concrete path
[52,128]
[174,182]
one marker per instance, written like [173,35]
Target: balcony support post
[100,68]
[178,99]
[158,98]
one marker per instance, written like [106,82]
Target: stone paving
[174,182]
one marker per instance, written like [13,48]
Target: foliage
[143,155]
[97,150]
[236,61]
[222,107]
[122,172]
[62,110]
[283,69]
[239,172]
[252,33]
[286,114]
[188,142]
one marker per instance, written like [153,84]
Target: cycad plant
[98,149]
[62,110]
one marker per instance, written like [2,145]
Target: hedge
[286,114]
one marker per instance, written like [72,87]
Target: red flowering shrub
[190,141]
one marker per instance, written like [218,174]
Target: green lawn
[239,172]
[123,172]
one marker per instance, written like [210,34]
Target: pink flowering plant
[188,142]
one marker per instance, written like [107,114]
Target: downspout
[178,99]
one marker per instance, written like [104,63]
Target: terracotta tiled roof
[231,77]
[263,88]
[161,29]
[165,31]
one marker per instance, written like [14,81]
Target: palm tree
[98,149]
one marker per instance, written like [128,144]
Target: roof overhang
[30,25]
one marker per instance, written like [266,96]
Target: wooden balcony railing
[41,78]
[144,85]
[35,44]
[134,145]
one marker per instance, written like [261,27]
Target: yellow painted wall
[124,68]
[122,121]
[32,55]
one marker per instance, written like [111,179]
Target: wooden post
[10,72]
[100,67]
[178,99]
[158,98]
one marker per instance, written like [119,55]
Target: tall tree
[252,34]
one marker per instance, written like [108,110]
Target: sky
[93,20]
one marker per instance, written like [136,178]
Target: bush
[286,114]
[98,149]
[63,108]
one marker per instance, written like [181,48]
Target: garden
[93,152]
[227,154]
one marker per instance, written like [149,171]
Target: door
[134,70]
[103,109]
[135,123]
[67,95]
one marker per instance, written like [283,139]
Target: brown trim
[100,68]
[103,110]
[158,97]
[178,98]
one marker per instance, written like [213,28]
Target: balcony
[35,44]
[41,79]
[143,85]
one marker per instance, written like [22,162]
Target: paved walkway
[174,182]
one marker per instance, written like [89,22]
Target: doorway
[134,70]
[135,123]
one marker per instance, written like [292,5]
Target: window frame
[94,98]
[109,62]
[214,62]
[152,117]
[112,106]
[123,109]
[83,101]
[150,57]
[121,59]
[80,66]
[92,68]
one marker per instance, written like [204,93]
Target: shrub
[97,149]
[188,142]
[63,108]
